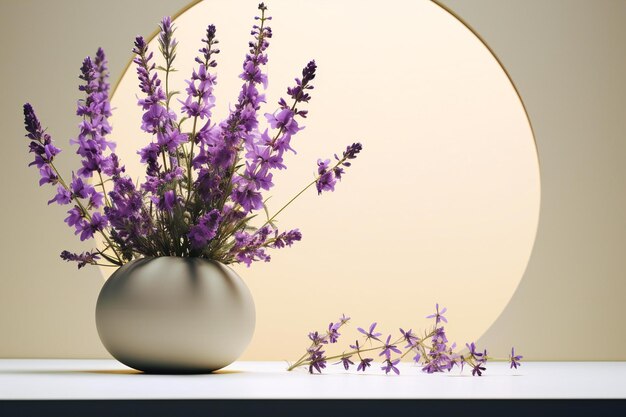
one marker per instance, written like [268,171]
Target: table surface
[33,379]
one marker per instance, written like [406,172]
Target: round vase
[175,315]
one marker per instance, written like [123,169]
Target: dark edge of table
[308,407]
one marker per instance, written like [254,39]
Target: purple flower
[328,175]
[338,172]
[326,182]
[391,366]
[242,118]
[262,154]
[388,348]
[63,196]
[355,346]
[410,338]
[333,334]
[439,340]
[322,166]
[155,119]
[286,238]
[351,152]
[167,201]
[485,358]
[80,189]
[96,200]
[194,108]
[206,50]
[284,121]
[515,359]
[317,360]
[478,369]
[201,233]
[248,248]
[346,362]
[32,124]
[88,228]
[364,364]
[95,110]
[248,198]
[472,351]
[298,93]
[438,316]
[149,156]
[265,153]
[169,139]
[167,43]
[317,339]
[260,178]
[200,97]
[370,334]
[47,176]
[82,259]
[437,362]
[40,142]
[75,216]
[126,214]
[149,82]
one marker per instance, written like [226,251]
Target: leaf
[267,213]
[180,123]
[108,258]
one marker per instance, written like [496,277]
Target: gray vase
[175,315]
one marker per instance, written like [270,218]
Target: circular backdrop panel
[441,206]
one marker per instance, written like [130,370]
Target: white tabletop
[28,379]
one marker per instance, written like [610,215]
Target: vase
[175,315]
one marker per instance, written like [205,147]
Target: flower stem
[269,221]
[106,198]
[302,362]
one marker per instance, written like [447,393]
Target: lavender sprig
[86,225]
[167,47]
[433,357]
[350,153]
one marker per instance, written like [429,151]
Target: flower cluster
[431,350]
[205,179]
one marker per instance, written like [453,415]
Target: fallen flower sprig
[430,350]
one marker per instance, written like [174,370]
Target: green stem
[106,198]
[269,221]
[164,161]
[302,362]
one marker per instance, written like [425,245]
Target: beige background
[570,80]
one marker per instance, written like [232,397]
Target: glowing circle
[443,204]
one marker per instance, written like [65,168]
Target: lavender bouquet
[204,181]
